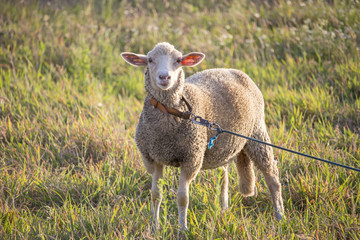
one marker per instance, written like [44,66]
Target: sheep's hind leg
[224,201]
[245,168]
[263,157]
[272,180]
[156,195]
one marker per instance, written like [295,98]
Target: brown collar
[172,111]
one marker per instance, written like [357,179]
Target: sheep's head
[164,64]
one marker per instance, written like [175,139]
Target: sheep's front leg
[186,176]
[156,195]
[224,201]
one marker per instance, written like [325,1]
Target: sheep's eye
[150,60]
[178,60]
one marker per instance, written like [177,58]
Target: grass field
[69,167]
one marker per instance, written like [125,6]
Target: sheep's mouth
[163,84]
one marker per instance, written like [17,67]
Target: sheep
[225,96]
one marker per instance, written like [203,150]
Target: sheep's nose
[164,77]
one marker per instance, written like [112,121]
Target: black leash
[216,127]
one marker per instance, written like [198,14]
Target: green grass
[69,105]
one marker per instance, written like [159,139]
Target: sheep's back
[228,91]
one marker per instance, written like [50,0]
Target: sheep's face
[164,69]
[164,63]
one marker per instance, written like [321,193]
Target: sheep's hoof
[278,216]
[224,209]
[154,227]
[182,233]
[224,206]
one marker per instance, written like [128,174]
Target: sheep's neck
[172,97]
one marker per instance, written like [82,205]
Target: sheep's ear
[134,59]
[192,59]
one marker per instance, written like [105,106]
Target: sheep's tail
[246,173]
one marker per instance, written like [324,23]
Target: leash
[219,130]
[216,127]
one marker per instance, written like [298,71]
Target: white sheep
[165,137]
